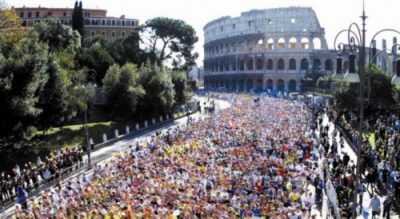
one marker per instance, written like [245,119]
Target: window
[29,14]
[250,23]
[103,22]
[123,33]
[281,64]
[113,22]
[123,23]
[37,14]
[65,14]
[133,23]
[21,14]
[93,22]
[103,33]
[293,20]
[49,13]
[87,14]
[113,34]
[92,33]
[24,23]
[234,26]
[292,64]
[222,29]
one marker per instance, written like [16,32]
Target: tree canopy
[171,40]
[381,94]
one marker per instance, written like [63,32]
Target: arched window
[270,43]
[292,64]
[241,65]
[233,65]
[305,43]
[280,85]
[292,43]
[250,64]
[281,64]
[259,64]
[281,43]
[304,64]
[270,64]
[270,84]
[316,64]
[317,43]
[328,65]
[292,85]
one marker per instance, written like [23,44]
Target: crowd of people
[32,175]
[379,163]
[260,158]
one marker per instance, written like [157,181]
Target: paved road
[105,154]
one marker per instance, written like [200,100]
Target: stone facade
[96,20]
[265,49]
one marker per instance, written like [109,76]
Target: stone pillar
[104,137]
[127,129]
[137,126]
[116,133]
[146,124]
[298,85]
[167,116]
[153,121]
[161,119]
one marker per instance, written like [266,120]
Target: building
[97,23]
[197,74]
[265,49]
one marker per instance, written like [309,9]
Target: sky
[333,15]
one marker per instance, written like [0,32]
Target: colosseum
[268,49]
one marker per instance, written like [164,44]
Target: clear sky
[333,15]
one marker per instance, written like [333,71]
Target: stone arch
[234,85]
[292,85]
[281,64]
[270,64]
[281,43]
[233,65]
[270,43]
[304,64]
[226,66]
[250,64]
[316,64]
[259,63]
[345,66]
[241,85]
[317,43]
[328,65]
[270,84]
[241,65]
[280,85]
[292,43]
[292,64]
[305,43]
[259,84]
[249,84]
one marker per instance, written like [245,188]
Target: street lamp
[88,146]
[356,47]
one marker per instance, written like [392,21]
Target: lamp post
[88,147]
[355,46]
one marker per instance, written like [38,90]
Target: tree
[97,58]
[124,50]
[181,86]
[171,39]
[160,94]
[11,31]
[22,77]
[58,36]
[78,20]
[122,89]
[53,98]
[380,95]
